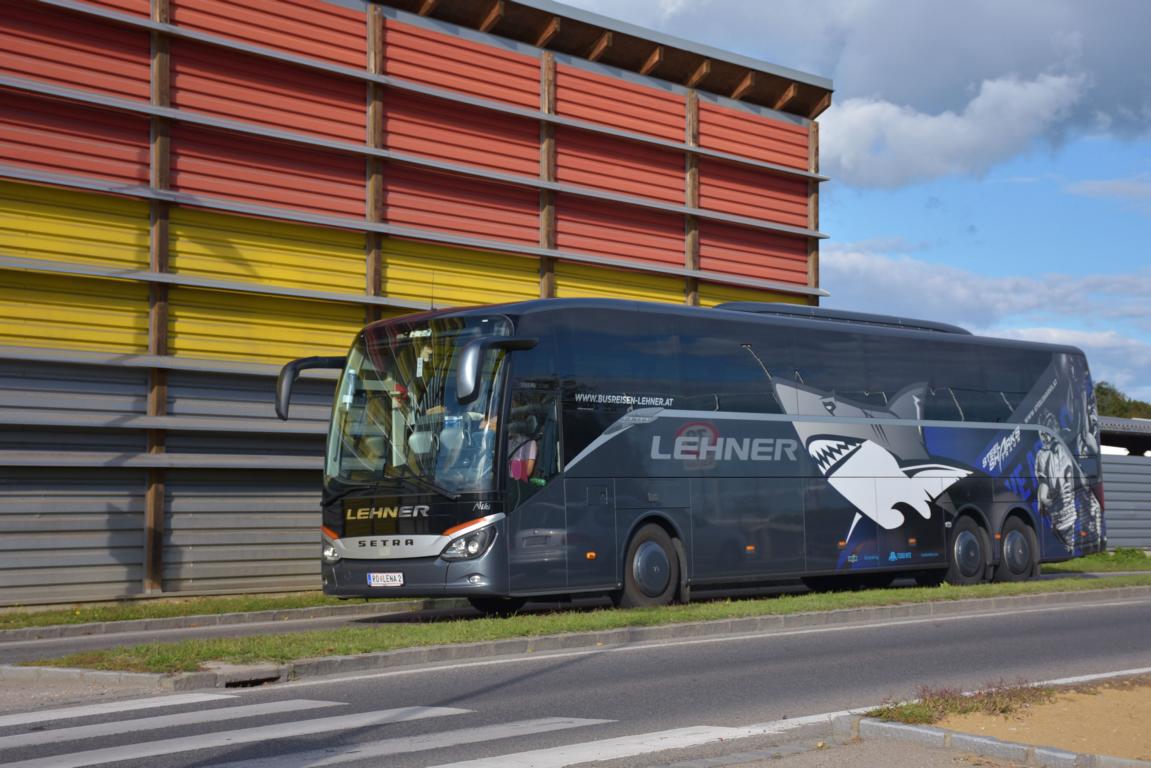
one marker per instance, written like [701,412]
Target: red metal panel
[50,45]
[234,85]
[134,7]
[57,136]
[314,28]
[445,61]
[752,253]
[760,138]
[445,203]
[267,173]
[592,160]
[460,134]
[620,103]
[619,231]
[751,192]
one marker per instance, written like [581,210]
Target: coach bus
[564,447]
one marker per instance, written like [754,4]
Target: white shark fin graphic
[870,477]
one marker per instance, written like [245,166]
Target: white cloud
[928,88]
[1103,314]
[866,142]
[1134,192]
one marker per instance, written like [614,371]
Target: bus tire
[968,552]
[651,569]
[1018,551]
[497,606]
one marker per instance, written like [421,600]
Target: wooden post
[159,177]
[547,173]
[374,241]
[691,199]
[813,212]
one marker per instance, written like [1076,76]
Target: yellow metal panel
[266,252]
[258,329]
[62,225]
[580,280]
[446,276]
[711,294]
[38,310]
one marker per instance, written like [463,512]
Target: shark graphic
[876,483]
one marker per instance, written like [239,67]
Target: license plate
[385,579]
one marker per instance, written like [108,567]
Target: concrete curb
[227,676]
[57,631]
[984,746]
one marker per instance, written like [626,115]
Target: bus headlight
[328,552]
[470,545]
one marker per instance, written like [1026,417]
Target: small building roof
[561,28]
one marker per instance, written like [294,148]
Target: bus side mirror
[472,360]
[288,376]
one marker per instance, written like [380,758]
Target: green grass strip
[1121,559]
[165,608]
[190,655]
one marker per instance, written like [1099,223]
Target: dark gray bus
[561,447]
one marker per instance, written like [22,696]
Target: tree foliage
[1112,402]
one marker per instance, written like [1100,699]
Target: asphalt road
[482,713]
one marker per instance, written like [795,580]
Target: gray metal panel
[258,532]
[70,535]
[51,385]
[1127,488]
[208,394]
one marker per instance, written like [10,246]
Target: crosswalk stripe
[164,721]
[640,744]
[405,744]
[110,707]
[229,738]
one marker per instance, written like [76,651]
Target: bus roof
[752,313]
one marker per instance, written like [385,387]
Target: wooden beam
[745,85]
[691,200]
[786,98]
[550,30]
[653,61]
[547,271]
[495,13]
[702,71]
[600,47]
[159,178]
[820,105]
[427,6]
[374,181]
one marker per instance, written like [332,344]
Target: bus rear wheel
[968,553]
[497,606]
[651,570]
[1018,551]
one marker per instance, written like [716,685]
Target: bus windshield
[396,416]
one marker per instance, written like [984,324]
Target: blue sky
[990,161]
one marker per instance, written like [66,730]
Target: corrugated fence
[1127,485]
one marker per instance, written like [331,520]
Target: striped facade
[193,192]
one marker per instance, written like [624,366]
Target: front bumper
[485,576]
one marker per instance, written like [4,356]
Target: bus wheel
[1018,551]
[968,553]
[497,606]
[651,570]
